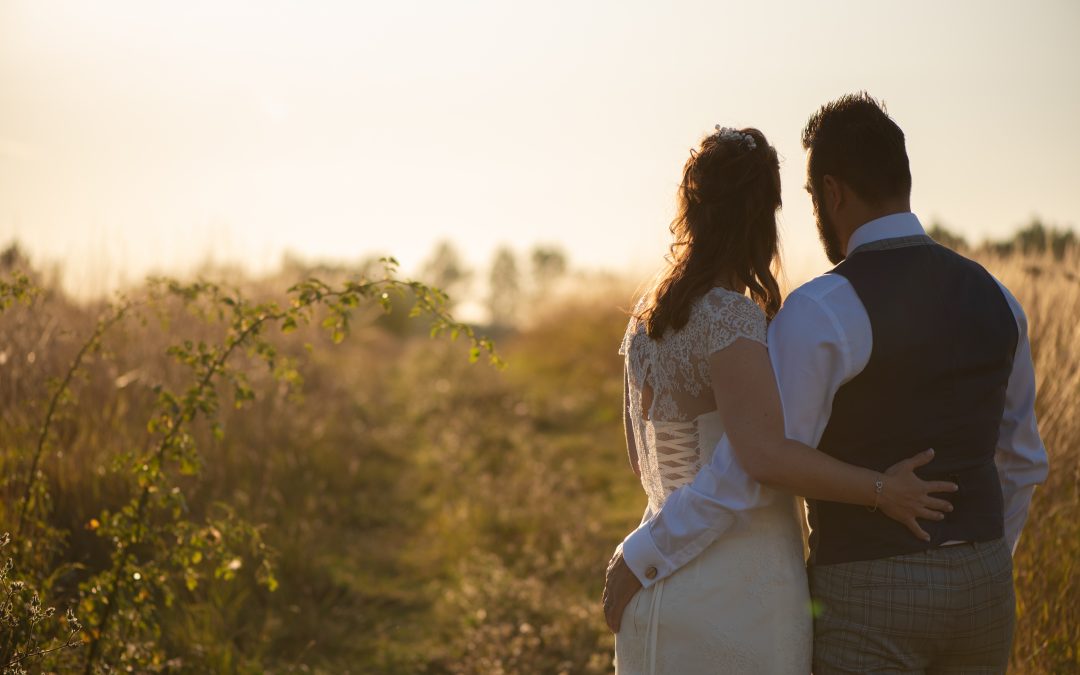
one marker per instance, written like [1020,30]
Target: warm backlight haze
[211,483]
[152,136]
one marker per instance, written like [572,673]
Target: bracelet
[879,486]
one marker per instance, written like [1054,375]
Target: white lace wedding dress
[742,605]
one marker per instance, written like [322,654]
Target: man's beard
[829,241]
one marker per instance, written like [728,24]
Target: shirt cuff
[643,558]
[1014,521]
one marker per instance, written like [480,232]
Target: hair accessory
[729,134]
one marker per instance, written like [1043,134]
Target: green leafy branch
[138,557]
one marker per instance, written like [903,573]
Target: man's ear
[834,196]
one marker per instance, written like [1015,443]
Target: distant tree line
[517,278]
[511,278]
[1035,238]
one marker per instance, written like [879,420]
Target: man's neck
[871,214]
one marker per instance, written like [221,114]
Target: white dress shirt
[821,339]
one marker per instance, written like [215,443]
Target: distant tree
[12,257]
[946,237]
[504,288]
[1038,238]
[548,266]
[446,270]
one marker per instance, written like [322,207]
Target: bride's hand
[906,497]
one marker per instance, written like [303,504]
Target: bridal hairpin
[729,134]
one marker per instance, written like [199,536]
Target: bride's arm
[748,401]
[628,426]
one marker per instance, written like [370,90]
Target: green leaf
[188,466]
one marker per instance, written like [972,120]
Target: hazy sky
[143,135]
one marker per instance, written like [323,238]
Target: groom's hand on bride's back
[906,498]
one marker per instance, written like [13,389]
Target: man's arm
[810,372]
[811,360]
[1021,458]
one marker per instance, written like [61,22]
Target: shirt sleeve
[1021,458]
[692,517]
[809,358]
[816,347]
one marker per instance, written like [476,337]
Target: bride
[696,368]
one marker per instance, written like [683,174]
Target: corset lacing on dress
[677,456]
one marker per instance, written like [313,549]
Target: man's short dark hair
[854,139]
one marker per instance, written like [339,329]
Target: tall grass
[1047,563]
[424,514]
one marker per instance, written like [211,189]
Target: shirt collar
[891,226]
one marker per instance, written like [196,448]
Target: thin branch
[71,642]
[95,338]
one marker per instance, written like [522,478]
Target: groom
[904,345]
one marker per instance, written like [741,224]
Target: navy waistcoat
[944,338]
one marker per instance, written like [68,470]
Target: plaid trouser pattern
[945,610]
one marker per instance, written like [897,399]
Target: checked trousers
[945,610]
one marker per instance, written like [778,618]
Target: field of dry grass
[1047,563]
[422,514]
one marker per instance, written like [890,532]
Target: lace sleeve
[732,316]
[632,327]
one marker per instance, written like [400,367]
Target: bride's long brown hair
[725,230]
